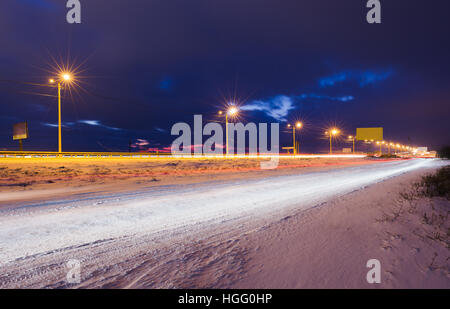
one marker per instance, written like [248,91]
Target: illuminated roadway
[39,230]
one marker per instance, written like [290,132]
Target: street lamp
[381,145]
[352,138]
[298,125]
[64,77]
[232,112]
[332,132]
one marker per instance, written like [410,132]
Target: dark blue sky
[149,64]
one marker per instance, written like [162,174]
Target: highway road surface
[118,239]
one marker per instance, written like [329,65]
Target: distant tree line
[444,152]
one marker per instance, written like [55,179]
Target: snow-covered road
[35,229]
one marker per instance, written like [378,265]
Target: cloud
[144,145]
[160,130]
[332,80]
[362,78]
[97,123]
[90,122]
[277,107]
[368,78]
[52,125]
[141,142]
[326,97]
[165,84]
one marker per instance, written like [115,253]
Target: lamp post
[352,138]
[232,112]
[64,78]
[331,133]
[379,143]
[298,125]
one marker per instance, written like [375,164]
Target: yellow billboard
[368,134]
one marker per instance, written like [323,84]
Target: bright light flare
[232,111]
[63,77]
[66,77]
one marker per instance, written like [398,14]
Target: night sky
[147,64]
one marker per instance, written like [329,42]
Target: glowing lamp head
[232,111]
[51,81]
[334,131]
[299,125]
[66,77]
[350,137]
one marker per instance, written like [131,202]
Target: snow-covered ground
[37,239]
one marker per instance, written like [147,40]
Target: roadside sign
[20,131]
[375,134]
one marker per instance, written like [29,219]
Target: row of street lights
[396,147]
[231,112]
